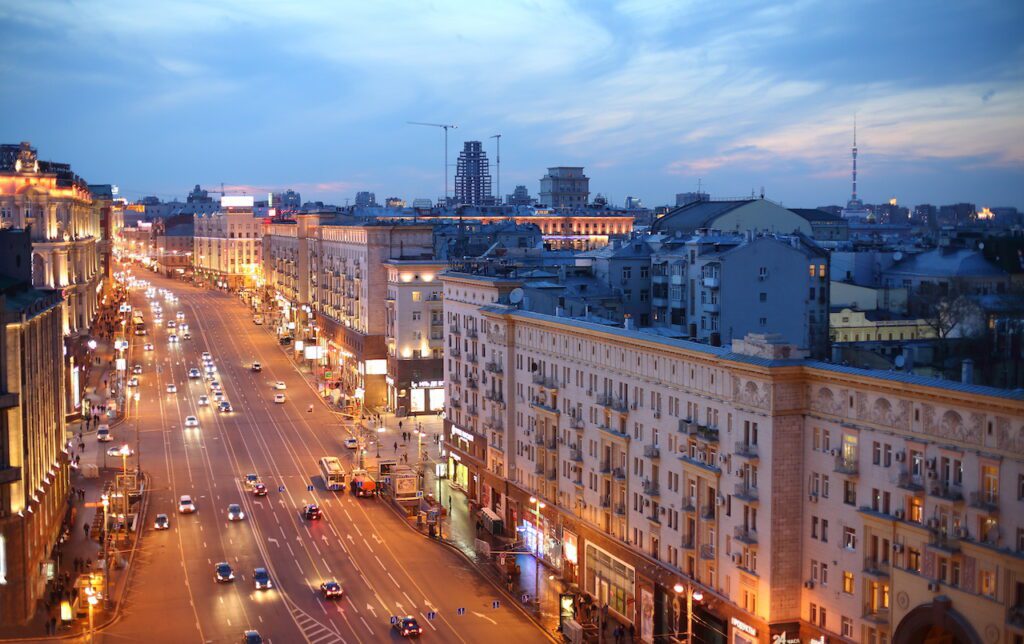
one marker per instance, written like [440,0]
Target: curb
[512,600]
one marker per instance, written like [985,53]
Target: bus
[333,473]
[138,324]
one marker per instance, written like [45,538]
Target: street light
[124,452]
[138,452]
[692,595]
[538,505]
[93,598]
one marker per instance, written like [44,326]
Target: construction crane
[445,128]
[498,137]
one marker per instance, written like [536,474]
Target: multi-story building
[687,198]
[332,276]
[365,199]
[802,499]
[57,205]
[173,243]
[415,336]
[111,214]
[33,463]
[565,187]
[520,197]
[228,244]
[473,176]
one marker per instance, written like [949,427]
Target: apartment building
[804,500]
[415,336]
[34,481]
[227,244]
[330,283]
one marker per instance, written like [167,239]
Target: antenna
[445,128]
[498,137]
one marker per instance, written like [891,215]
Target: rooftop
[944,262]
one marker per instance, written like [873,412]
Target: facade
[173,245]
[329,282]
[520,197]
[565,187]
[473,176]
[365,199]
[851,325]
[66,234]
[34,482]
[228,244]
[801,499]
[415,336]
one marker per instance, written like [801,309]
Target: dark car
[408,626]
[262,579]
[224,407]
[259,489]
[331,589]
[251,637]
[312,512]
[224,572]
[285,341]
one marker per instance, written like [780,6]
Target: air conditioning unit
[720,500]
[901,456]
[812,497]
[897,547]
[721,458]
[809,584]
[900,514]
[657,414]
[737,558]
[932,463]
[933,586]
[662,509]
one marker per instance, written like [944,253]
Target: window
[821,617]
[887,455]
[814,527]
[847,582]
[849,493]
[824,530]
[814,570]
[417,296]
[824,574]
[813,614]
[762,321]
[876,453]
[847,627]
[417,315]
[825,488]
[987,583]
[990,483]
[913,559]
[763,297]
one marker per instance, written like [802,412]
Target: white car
[137,369]
[203,400]
[194,373]
[171,324]
[191,421]
[172,338]
[180,315]
[211,368]
[279,399]
[352,442]
[148,346]
[133,382]
[185,504]
[218,396]
[162,522]
[115,452]
[103,434]
[172,388]
[280,385]
[207,356]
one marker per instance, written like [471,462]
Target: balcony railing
[846,465]
[746,492]
[471,383]
[745,534]
[552,474]
[746,450]
[471,333]
[620,509]
[876,614]
[877,567]
[986,501]
[619,474]
[652,451]
[606,501]
[707,551]
[538,468]
[605,468]
[947,491]
[454,329]
[616,404]
[707,511]
[471,357]
[576,455]
[651,488]
[538,439]
[493,367]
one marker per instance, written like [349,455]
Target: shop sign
[783,638]
[570,547]
[428,384]
[466,436]
[745,627]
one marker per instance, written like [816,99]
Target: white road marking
[394,580]
[411,602]
[429,622]
[482,616]
[366,625]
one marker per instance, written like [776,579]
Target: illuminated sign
[237,201]
[427,384]
[783,638]
[466,436]
[376,367]
[745,627]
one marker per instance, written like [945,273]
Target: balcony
[876,614]
[652,451]
[578,482]
[620,509]
[707,551]
[745,534]
[686,542]
[946,491]
[454,352]
[493,367]
[877,568]
[653,518]
[746,450]
[746,492]
[712,307]
[606,502]
[454,329]
[552,474]
[619,474]
[471,357]
[846,465]
[986,501]
[687,427]
[541,403]
[494,397]
[707,511]
[471,333]
[471,383]
[577,423]
[472,410]
[613,403]
[494,424]
[689,504]
[538,468]
[651,488]
[538,439]
[1015,616]
[711,282]
[707,434]
[576,455]
[605,468]
[545,382]
[909,482]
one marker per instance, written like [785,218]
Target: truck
[362,483]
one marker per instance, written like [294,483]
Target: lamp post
[138,452]
[124,452]
[538,505]
[692,595]
[93,598]
[103,535]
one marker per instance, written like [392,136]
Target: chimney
[967,371]
[559,312]
[628,322]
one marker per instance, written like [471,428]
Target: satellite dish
[897,256]
[900,361]
[516,296]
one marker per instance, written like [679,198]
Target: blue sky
[649,96]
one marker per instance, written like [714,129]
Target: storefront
[459,473]
[543,541]
[609,580]
[570,556]
[707,627]
[742,632]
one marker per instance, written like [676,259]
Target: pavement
[386,568]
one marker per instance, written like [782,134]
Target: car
[186,336]
[211,368]
[218,396]
[259,490]
[257,319]
[215,385]
[137,369]
[194,373]
[207,356]
[257,367]
[116,452]
[222,572]
[285,341]
[235,512]
[224,407]
[261,578]
[251,637]
[331,589]
[185,505]
[103,434]
[148,346]
[172,388]
[408,626]
[279,399]
[280,385]
[162,522]
[251,480]
[133,382]
[191,421]
[352,442]
[180,315]
[172,338]
[171,324]
[312,512]
[203,400]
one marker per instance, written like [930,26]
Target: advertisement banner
[646,615]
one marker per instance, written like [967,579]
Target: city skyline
[649,98]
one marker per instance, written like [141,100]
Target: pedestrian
[85,528]
[396,446]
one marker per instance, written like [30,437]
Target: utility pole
[498,158]
[445,128]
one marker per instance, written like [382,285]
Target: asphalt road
[385,567]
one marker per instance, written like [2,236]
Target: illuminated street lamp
[692,595]
[124,452]
[93,598]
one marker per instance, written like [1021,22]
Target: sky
[651,97]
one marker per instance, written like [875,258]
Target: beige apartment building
[227,244]
[414,335]
[785,499]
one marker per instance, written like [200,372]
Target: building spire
[854,151]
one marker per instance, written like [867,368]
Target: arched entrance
[935,623]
